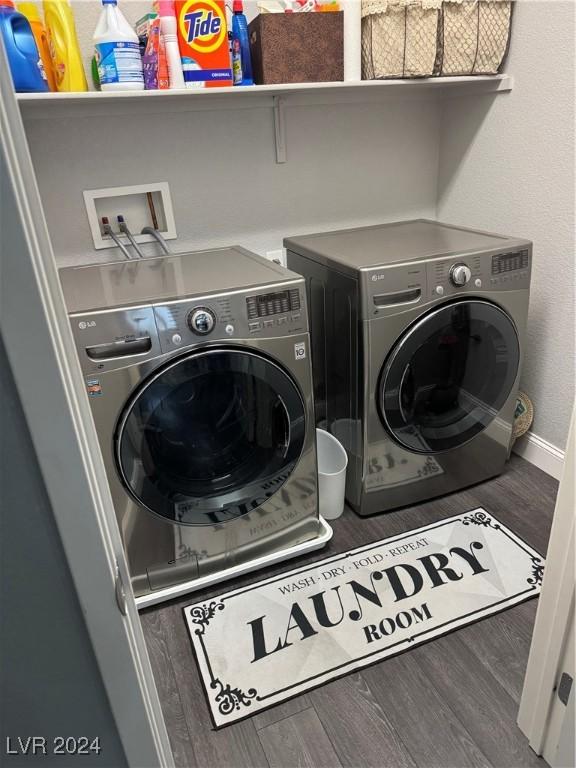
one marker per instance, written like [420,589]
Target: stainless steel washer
[417,332]
[197,367]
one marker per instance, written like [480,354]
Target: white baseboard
[541,453]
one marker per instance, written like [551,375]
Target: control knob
[460,274]
[201,321]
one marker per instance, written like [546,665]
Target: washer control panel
[242,315]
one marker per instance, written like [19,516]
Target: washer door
[211,436]
[448,376]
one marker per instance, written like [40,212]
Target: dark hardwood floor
[450,703]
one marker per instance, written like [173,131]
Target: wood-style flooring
[451,703]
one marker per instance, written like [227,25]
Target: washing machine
[417,335]
[197,369]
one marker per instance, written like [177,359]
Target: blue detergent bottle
[241,61]
[22,52]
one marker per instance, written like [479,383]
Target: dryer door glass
[448,377]
[211,436]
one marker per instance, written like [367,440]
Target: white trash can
[332,463]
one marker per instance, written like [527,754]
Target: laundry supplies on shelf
[154,61]
[203,41]
[21,49]
[169,29]
[31,11]
[241,61]
[117,51]
[64,48]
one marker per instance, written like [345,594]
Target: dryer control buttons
[229,329]
[460,274]
[439,290]
[176,339]
[201,321]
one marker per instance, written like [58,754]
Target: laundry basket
[474,36]
[399,38]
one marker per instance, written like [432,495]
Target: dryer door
[449,375]
[211,436]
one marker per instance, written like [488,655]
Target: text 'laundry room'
[288,338]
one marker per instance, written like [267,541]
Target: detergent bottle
[169,30]
[30,10]
[21,49]
[241,62]
[117,51]
[64,48]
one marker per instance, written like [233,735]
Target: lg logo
[83,324]
[374,278]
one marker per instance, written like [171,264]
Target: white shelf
[94,102]
[141,103]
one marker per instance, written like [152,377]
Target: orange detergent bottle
[30,10]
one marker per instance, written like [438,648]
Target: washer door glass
[211,436]
[448,376]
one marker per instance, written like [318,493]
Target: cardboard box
[203,43]
[297,47]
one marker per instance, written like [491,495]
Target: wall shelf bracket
[279,128]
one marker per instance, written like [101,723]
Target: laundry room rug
[259,645]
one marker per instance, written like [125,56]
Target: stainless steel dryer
[198,372]
[417,331]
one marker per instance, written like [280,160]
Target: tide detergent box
[203,43]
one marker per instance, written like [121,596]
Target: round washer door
[211,436]
[448,376]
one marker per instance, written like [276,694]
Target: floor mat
[262,644]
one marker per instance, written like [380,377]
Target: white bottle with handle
[169,29]
[117,51]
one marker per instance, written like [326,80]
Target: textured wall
[508,165]
[347,164]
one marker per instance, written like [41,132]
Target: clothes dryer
[417,335]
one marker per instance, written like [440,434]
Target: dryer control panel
[479,273]
[390,288]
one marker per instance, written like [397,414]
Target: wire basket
[474,36]
[399,38]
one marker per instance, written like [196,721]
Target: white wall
[348,164]
[508,166]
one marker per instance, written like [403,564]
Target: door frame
[555,612]
[41,351]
